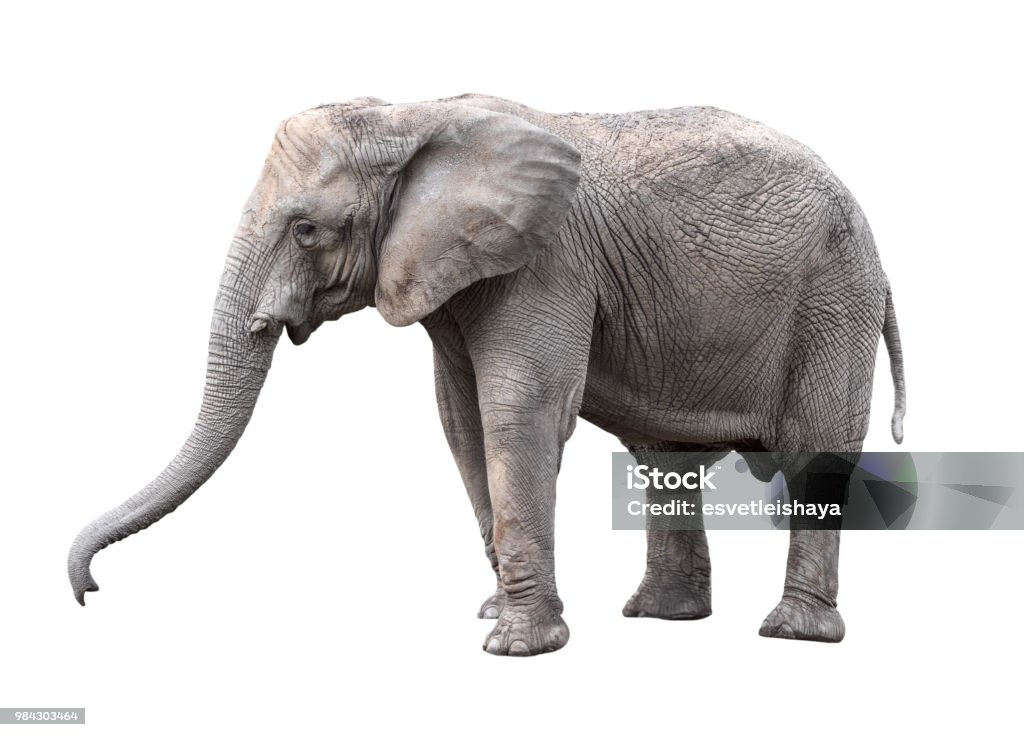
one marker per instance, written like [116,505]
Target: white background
[327,578]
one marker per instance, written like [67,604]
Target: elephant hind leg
[677,580]
[808,608]
[820,437]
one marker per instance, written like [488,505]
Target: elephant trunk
[237,366]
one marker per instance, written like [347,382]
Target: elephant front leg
[523,452]
[455,383]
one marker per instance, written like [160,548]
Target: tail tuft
[897,427]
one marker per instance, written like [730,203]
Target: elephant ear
[481,195]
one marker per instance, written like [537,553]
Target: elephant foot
[527,630]
[804,618]
[492,606]
[669,598]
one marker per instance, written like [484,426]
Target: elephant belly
[707,386]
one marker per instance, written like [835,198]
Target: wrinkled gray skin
[686,279]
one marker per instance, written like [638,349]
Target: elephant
[685,279]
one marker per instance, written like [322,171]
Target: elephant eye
[305,234]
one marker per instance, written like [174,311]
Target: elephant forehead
[306,155]
[281,195]
[302,144]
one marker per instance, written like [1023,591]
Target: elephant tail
[891,333]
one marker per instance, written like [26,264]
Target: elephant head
[359,204]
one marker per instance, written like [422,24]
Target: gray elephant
[685,279]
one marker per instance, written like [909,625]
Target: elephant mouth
[299,334]
[261,322]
